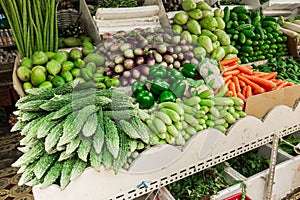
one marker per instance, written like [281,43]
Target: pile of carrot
[243,81]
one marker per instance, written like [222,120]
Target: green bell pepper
[189,70]
[178,88]
[158,86]
[174,75]
[145,99]
[167,96]
[137,87]
[158,71]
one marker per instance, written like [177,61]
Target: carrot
[229,93]
[252,84]
[235,80]
[266,84]
[242,83]
[233,72]
[228,62]
[248,67]
[248,91]
[241,96]
[230,68]
[231,87]
[226,78]
[244,91]
[259,73]
[269,76]
[245,70]
[284,84]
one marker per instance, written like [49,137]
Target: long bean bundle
[33,24]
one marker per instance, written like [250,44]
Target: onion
[143,78]
[162,48]
[188,55]
[107,44]
[119,68]
[185,48]
[107,36]
[116,76]
[170,66]
[124,81]
[142,43]
[194,61]
[175,56]
[158,38]
[126,74]
[176,39]
[119,59]
[167,37]
[183,41]
[144,70]
[115,47]
[177,49]
[125,46]
[131,81]
[139,37]
[129,53]
[170,49]
[180,56]
[109,73]
[138,51]
[128,63]
[113,55]
[163,64]
[140,60]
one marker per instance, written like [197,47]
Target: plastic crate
[237,197]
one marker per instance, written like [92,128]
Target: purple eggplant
[177,49]
[150,60]
[119,59]
[158,58]
[169,59]
[129,64]
[170,49]
[188,55]
[180,57]
[175,56]
[119,69]
[185,48]
[140,60]
[139,37]
[142,43]
[176,64]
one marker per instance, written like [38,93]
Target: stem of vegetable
[46,27]
[38,23]
[52,19]
[26,30]
[56,29]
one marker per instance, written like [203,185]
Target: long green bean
[52,18]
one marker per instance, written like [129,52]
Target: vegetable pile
[33,24]
[287,142]
[255,36]
[243,81]
[249,163]
[202,26]
[286,68]
[201,185]
[68,128]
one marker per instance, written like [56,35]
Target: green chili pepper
[158,86]
[145,99]
[167,96]
[178,88]
[189,70]
[158,71]
[137,87]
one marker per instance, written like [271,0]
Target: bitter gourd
[95,159]
[84,148]
[90,125]
[99,136]
[111,136]
[123,152]
[52,174]
[141,129]
[53,137]
[43,164]
[27,175]
[78,168]
[107,158]
[65,177]
[129,129]
[73,145]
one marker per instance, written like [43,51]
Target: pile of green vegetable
[249,163]
[202,26]
[202,185]
[255,36]
[53,69]
[33,23]
[286,144]
[71,127]
[286,68]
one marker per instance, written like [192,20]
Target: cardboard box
[259,105]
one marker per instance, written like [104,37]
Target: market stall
[136,100]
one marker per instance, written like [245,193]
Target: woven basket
[65,17]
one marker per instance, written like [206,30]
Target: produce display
[243,81]
[287,144]
[255,36]
[286,68]
[201,25]
[34,25]
[201,185]
[103,106]
[249,163]
[50,69]
[7,56]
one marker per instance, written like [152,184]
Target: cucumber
[223,101]
[159,125]
[172,114]
[174,106]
